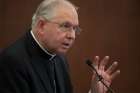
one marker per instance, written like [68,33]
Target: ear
[41,24]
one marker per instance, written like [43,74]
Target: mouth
[66,45]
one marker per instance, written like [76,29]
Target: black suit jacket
[25,68]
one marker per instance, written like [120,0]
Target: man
[36,62]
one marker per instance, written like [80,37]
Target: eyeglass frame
[67,26]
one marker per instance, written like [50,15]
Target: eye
[66,25]
[75,28]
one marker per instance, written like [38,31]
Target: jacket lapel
[41,72]
[62,76]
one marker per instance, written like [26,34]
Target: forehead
[66,13]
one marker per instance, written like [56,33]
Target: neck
[41,46]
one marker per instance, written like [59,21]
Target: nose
[71,35]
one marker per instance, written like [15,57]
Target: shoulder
[12,58]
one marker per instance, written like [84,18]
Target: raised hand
[108,74]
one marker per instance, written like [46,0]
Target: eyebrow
[70,23]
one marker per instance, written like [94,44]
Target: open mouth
[66,45]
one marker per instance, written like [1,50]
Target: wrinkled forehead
[66,12]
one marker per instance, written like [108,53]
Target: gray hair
[46,9]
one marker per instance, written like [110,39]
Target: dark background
[110,27]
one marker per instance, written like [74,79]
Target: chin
[62,51]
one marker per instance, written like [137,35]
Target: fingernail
[96,56]
[118,71]
[107,57]
[115,62]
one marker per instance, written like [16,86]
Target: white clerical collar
[52,55]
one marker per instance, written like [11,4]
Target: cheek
[52,40]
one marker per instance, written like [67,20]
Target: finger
[115,74]
[112,68]
[104,62]
[96,61]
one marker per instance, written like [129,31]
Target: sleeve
[12,76]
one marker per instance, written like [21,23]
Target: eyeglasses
[67,26]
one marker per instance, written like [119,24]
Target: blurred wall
[110,27]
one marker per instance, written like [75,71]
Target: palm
[107,74]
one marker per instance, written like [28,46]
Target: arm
[12,76]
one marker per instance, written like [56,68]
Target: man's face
[54,34]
